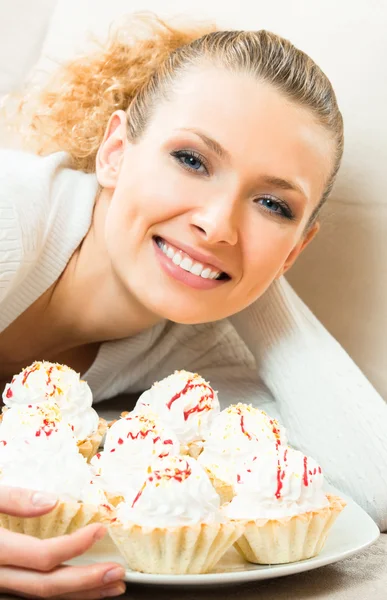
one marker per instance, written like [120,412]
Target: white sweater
[274,354]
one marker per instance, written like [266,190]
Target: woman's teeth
[187,263]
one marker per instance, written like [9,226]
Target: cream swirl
[280,482]
[43,381]
[237,433]
[131,446]
[26,421]
[185,402]
[42,454]
[176,492]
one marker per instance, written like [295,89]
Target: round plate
[353,531]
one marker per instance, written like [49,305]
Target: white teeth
[197,269]
[186,264]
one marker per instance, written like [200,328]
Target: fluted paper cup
[65,518]
[89,447]
[289,539]
[174,550]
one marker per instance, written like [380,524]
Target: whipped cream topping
[43,454]
[280,482]
[132,444]
[185,402]
[44,381]
[31,420]
[176,492]
[238,433]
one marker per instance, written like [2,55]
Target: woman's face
[210,205]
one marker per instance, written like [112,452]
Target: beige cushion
[342,276]
[23,27]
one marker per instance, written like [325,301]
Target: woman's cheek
[266,255]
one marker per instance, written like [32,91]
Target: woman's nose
[217,222]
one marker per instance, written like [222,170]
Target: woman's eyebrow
[210,142]
[273,180]
[283,184]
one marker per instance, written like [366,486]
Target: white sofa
[343,275]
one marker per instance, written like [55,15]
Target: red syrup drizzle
[28,372]
[246,433]
[9,393]
[177,474]
[138,495]
[48,427]
[49,381]
[305,478]
[205,402]
[280,475]
[242,424]
[143,434]
[276,433]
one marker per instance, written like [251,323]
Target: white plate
[353,531]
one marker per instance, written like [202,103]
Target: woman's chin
[181,312]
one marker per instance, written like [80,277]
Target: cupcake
[173,524]
[38,451]
[57,383]
[237,434]
[132,444]
[186,403]
[280,498]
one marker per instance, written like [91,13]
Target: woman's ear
[295,253]
[111,150]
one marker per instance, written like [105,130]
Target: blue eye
[275,207]
[190,160]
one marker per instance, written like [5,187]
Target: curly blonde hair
[134,70]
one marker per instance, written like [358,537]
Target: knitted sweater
[274,354]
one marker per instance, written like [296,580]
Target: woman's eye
[276,207]
[190,160]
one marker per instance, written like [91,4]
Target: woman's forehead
[240,106]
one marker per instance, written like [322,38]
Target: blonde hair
[133,71]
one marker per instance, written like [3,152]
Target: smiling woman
[182,175]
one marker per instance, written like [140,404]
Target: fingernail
[40,499]
[113,575]
[99,534]
[115,590]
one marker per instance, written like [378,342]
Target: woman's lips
[196,255]
[186,277]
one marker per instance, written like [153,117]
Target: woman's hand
[31,568]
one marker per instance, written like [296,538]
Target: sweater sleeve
[11,248]
[28,215]
[25,180]
[329,408]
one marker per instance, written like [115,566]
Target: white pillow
[23,26]
[343,275]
